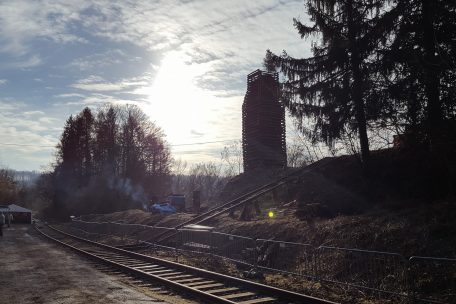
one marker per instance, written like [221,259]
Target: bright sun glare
[177,105]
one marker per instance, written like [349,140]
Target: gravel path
[33,270]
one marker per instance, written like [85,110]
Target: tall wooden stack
[263,123]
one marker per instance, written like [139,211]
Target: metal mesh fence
[98,233]
[131,233]
[195,240]
[288,257]
[233,247]
[420,279]
[150,233]
[432,280]
[375,270]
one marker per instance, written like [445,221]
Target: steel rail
[143,274]
[207,285]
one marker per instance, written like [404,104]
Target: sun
[175,102]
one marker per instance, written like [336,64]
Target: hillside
[405,207]
[398,210]
[426,230]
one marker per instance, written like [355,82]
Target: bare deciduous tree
[232,158]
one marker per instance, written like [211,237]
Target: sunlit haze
[184,64]
[185,111]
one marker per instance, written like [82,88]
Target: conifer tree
[333,87]
[106,146]
[420,64]
[118,149]
[67,155]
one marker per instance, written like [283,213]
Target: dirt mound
[426,230]
[136,216]
[394,210]
[332,198]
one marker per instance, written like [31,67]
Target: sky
[184,63]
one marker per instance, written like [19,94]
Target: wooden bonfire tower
[263,123]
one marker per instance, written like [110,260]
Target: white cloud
[101,60]
[22,63]
[22,21]
[69,95]
[31,150]
[94,100]
[3,81]
[32,113]
[25,134]
[96,83]
[226,39]
[8,104]
[246,29]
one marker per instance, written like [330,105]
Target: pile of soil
[137,216]
[424,229]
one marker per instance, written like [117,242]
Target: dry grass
[427,230]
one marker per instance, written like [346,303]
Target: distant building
[20,214]
[263,123]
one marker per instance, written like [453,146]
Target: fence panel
[122,230]
[288,257]
[112,232]
[91,231]
[195,240]
[173,237]
[433,280]
[125,231]
[373,270]
[233,247]
[149,233]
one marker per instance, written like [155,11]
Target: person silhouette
[9,219]
[2,222]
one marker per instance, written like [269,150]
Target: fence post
[211,243]
[316,261]
[153,239]
[177,244]
[255,255]
[138,233]
[410,281]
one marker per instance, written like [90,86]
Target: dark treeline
[8,187]
[26,188]
[207,178]
[111,160]
[377,65]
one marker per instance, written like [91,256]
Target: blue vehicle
[163,208]
[174,203]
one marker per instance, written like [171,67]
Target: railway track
[211,287]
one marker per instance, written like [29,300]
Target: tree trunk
[431,74]
[356,91]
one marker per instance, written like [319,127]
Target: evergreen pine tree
[419,65]
[333,87]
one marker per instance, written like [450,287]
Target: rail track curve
[211,287]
